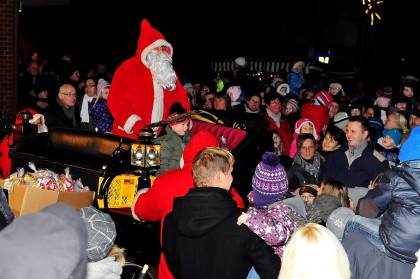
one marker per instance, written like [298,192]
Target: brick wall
[8,55]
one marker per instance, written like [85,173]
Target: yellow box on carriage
[121,192]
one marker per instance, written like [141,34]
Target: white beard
[160,64]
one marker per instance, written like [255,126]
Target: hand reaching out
[242,219]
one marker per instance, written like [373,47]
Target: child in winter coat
[389,145]
[302,126]
[268,215]
[317,111]
[173,143]
[98,108]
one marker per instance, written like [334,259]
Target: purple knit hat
[269,181]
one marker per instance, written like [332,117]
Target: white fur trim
[142,191]
[157,110]
[131,121]
[153,45]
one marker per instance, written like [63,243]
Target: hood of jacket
[199,141]
[201,210]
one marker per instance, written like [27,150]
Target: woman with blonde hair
[398,121]
[308,243]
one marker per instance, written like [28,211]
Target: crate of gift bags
[30,192]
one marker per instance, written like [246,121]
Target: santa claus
[145,86]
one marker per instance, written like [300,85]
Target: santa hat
[269,182]
[149,39]
[324,98]
[241,61]
[236,92]
[299,124]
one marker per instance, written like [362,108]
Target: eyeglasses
[69,94]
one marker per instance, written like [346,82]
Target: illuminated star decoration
[372,7]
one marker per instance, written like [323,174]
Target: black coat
[202,240]
[55,117]
[360,173]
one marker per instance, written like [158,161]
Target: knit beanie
[394,133]
[341,119]
[299,124]
[293,104]
[241,61]
[410,148]
[376,122]
[324,98]
[338,219]
[269,181]
[101,233]
[188,86]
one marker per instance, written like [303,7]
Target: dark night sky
[203,32]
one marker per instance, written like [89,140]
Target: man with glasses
[63,112]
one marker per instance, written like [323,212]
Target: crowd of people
[342,170]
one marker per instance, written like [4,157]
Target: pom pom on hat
[338,219]
[241,61]
[410,148]
[393,133]
[324,98]
[269,181]
[293,104]
[101,233]
[341,119]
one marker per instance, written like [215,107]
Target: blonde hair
[314,252]
[337,189]
[208,162]
[118,253]
[401,121]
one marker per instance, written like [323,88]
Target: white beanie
[240,61]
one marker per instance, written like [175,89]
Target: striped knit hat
[324,98]
[269,182]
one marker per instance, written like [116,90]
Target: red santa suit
[134,94]
[154,204]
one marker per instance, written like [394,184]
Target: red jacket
[317,114]
[154,204]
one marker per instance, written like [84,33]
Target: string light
[372,7]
